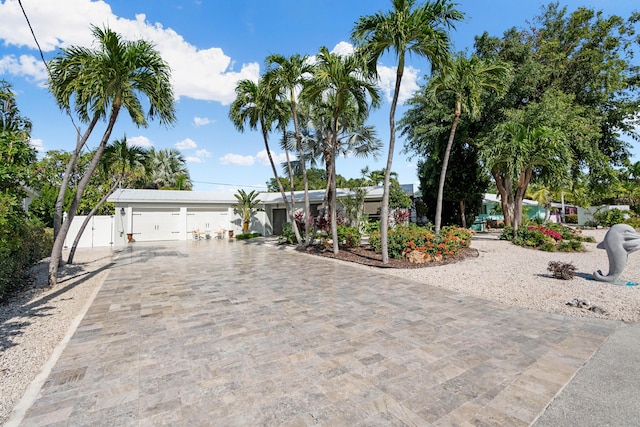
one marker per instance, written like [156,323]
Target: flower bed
[550,238]
[423,242]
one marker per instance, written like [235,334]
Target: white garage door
[156,224]
[207,220]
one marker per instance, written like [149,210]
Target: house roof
[495,198]
[175,196]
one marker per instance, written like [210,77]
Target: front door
[279,218]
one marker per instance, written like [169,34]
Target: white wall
[98,233]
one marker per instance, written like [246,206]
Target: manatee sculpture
[620,241]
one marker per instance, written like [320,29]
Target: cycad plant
[246,206]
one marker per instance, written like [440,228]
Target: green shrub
[23,242]
[561,270]
[548,238]
[248,236]
[571,218]
[371,227]
[287,236]
[609,217]
[349,237]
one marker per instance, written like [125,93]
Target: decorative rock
[416,257]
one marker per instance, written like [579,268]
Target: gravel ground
[32,324]
[516,276]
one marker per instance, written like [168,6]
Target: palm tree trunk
[443,173]
[57,214]
[58,244]
[292,190]
[463,216]
[333,208]
[303,165]
[91,214]
[280,186]
[384,211]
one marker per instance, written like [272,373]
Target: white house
[152,215]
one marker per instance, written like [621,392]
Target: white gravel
[33,324]
[517,276]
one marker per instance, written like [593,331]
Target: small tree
[246,204]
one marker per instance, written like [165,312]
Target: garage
[152,224]
[207,219]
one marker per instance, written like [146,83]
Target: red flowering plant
[545,238]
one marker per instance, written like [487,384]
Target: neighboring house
[492,210]
[152,215]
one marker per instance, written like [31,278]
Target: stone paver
[231,333]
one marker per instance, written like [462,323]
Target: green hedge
[23,243]
[248,236]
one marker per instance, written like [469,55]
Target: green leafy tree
[246,204]
[340,91]
[407,29]
[16,155]
[97,83]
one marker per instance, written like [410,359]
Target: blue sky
[210,45]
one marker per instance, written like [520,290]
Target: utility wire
[46,66]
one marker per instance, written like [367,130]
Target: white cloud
[201,121]
[140,141]
[343,49]
[199,157]
[387,81]
[24,65]
[237,159]
[277,158]
[38,144]
[203,153]
[185,144]
[205,74]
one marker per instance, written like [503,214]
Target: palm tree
[290,75]
[120,161]
[339,87]
[254,106]
[100,82]
[512,152]
[465,80]
[246,204]
[166,169]
[406,29]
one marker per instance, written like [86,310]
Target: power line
[230,185]
[46,66]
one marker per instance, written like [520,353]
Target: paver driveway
[233,333]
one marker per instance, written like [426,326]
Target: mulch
[365,256]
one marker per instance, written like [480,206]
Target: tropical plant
[465,80]
[166,170]
[245,206]
[290,75]
[406,29]
[97,84]
[512,152]
[253,108]
[340,95]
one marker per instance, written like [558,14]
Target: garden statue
[620,241]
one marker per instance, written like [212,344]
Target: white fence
[99,232]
